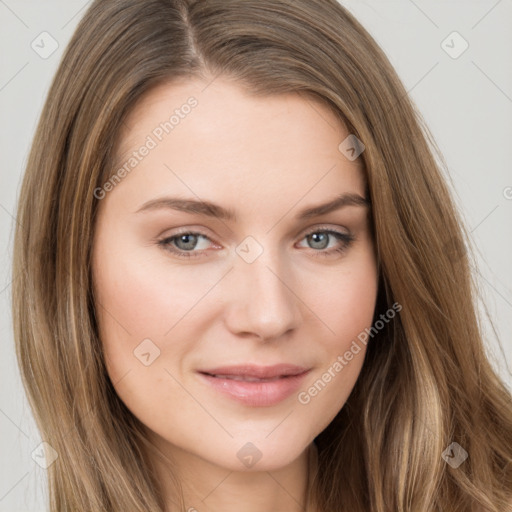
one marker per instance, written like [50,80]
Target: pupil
[188,240]
[321,239]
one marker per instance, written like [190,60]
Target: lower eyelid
[345,238]
[167,242]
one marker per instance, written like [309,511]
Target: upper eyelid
[306,232]
[321,227]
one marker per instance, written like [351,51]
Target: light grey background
[466,102]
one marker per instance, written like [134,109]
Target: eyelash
[345,238]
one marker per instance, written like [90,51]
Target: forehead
[224,111]
[207,137]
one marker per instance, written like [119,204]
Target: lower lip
[257,394]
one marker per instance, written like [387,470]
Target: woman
[242,281]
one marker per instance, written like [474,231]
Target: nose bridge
[263,302]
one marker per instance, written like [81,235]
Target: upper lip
[261,372]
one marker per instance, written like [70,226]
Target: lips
[245,378]
[255,386]
[255,373]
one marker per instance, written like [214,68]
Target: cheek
[138,302]
[140,297]
[346,298]
[151,314]
[346,307]
[349,306]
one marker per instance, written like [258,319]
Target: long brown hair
[426,381]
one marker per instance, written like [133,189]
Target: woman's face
[226,328]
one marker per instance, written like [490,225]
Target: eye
[320,239]
[190,244]
[183,244]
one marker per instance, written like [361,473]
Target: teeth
[246,378]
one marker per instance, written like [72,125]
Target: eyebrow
[210,209]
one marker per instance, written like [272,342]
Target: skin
[266,159]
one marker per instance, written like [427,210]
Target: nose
[262,300]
